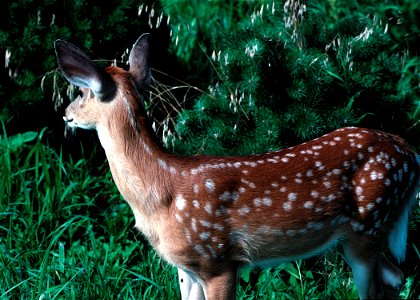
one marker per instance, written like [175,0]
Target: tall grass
[67,234]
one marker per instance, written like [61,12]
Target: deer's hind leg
[363,256]
[391,278]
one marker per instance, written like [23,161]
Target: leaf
[14,142]
[335,75]
[245,274]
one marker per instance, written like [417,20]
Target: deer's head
[102,90]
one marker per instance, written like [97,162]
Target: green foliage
[196,27]
[288,73]
[28,30]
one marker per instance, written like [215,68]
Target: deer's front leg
[222,285]
[190,286]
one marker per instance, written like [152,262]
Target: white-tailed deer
[351,189]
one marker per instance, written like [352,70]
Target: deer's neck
[142,170]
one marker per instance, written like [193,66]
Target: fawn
[352,190]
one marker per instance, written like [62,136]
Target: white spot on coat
[327,184]
[229,196]
[218,227]
[194,225]
[162,164]
[180,202]
[237,164]
[205,223]
[208,208]
[314,194]
[204,235]
[188,235]
[209,184]
[196,203]
[287,206]
[178,218]
[243,210]
[292,197]
[257,202]
[336,171]
[308,204]
[267,201]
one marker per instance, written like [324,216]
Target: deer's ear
[139,61]
[80,70]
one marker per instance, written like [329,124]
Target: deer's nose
[67,119]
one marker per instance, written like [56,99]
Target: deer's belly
[290,252]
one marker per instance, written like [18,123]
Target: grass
[65,233]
